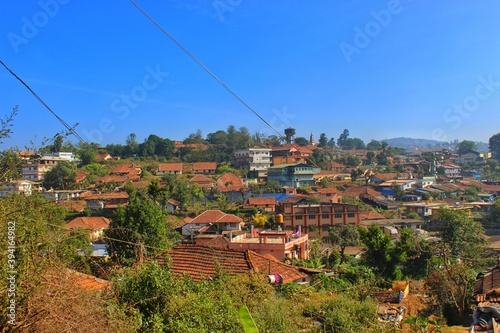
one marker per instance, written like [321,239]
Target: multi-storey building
[255,160]
[316,216]
[293,175]
[37,169]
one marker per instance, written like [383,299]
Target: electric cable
[205,67]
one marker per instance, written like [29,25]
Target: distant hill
[413,144]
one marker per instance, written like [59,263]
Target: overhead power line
[205,67]
[71,130]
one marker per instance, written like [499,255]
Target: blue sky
[382,69]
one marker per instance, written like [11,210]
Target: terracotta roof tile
[215,216]
[165,167]
[262,201]
[200,179]
[89,223]
[202,262]
[229,182]
[356,192]
[200,166]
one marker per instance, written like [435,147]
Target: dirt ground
[418,303]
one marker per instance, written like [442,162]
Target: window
[325,227]
[232,225]
[298,217]
[338,216]
[351,215]
[312,228]
[288,218]
[287,205]
[312,217]
[325,216]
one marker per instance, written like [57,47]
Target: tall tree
[301,141]
[344,236]
[10,165]
[60,177]
[132,145]
[459,256]
[381,254]
[374,145]
[466,146]
[354,143]
[494,143]
[137,230]
[343,138]
[323,140]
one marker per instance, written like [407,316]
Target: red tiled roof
[216,216]
[262,201]
[336,165]
[165,167]
[183,222]
[126,168]
[370,216]
[110,179]
[229,182]
[294,199]
[80,176]
[107,196]
[218,242]
[264,265]
[386,176]
[329,190]
[356,192]
[200,166]
[203,262]
[200,179]
[89,223]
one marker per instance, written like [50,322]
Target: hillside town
[290,211]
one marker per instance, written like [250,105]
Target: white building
[257,160]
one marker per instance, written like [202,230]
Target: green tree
[137,230]
[397,192]
[323,140]
[381,254]
[343,138]
[301,141]
[354,143]
[382,159]
[40,245]
[10,165]
[374,145]
[132,147]
[494,215]
[6,124]
[60,177]
[458,258]
[494,144]
[57,145]
[87,153]
[466,146]
[344,236]
[370,158]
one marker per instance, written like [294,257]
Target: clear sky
[381,69]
